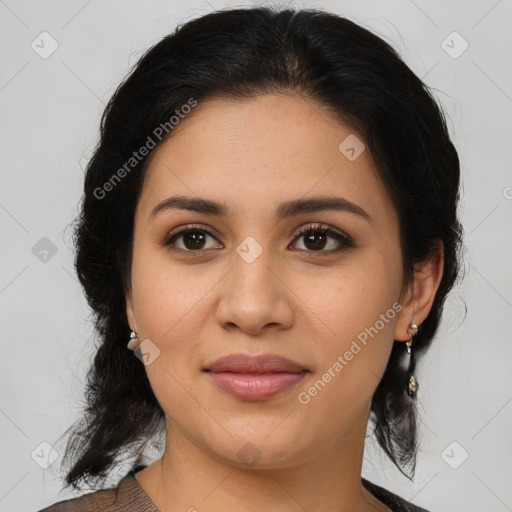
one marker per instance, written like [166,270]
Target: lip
[263,363]
[255,378]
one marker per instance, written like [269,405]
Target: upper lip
[264,363]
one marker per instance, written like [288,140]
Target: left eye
[315,239]
[316,236]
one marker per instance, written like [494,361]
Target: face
[318,286]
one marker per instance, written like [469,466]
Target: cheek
[351,362]
[170,303]
[164,292]
[358,312]
[352,298]
[170,309]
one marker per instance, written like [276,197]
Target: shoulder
[393,501]
[127,496]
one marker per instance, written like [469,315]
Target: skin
[251,155]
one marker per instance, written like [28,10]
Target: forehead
[255,152]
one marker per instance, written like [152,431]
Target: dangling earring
[134,341]
[412,384]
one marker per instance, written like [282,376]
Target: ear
[130,315]
[419,296]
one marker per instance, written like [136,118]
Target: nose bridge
[251,271]
[252,296]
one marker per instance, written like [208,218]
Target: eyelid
[344,240]
[192,227]
[319,226]
[175,233]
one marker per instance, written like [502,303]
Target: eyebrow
[284,210]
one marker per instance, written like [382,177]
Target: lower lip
[255,386]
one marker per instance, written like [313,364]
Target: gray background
[50,110]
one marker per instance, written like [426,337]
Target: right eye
[192,239]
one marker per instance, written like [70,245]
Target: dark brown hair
[241,53]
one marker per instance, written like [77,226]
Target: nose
[255,297]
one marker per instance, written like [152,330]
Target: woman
[270,218]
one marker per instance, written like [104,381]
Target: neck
[190,478]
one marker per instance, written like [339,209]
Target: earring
[412,383]
[134,341]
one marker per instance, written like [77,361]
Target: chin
[261,451]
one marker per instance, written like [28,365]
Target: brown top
[129,496]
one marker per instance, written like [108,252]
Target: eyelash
[344,240]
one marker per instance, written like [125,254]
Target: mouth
[255,378]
